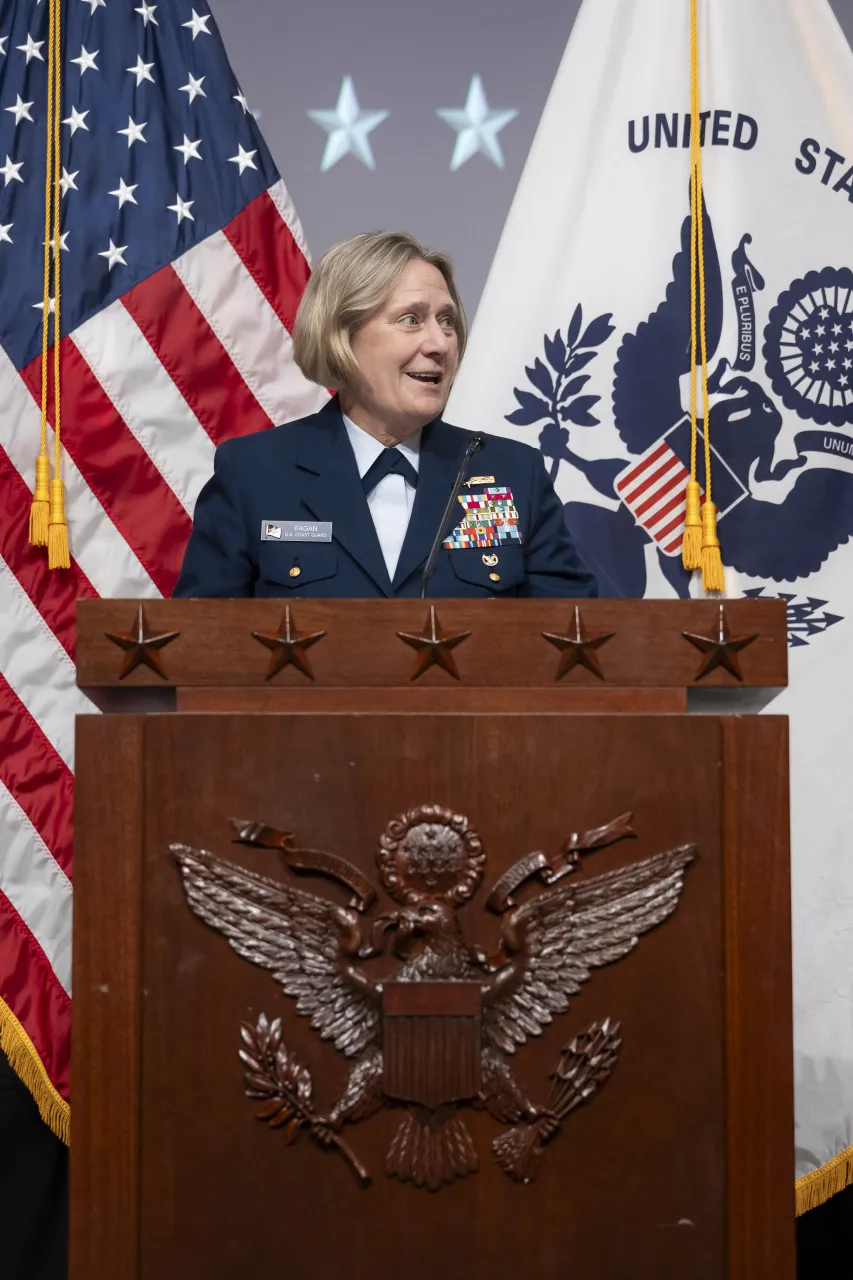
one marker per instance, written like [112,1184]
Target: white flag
[581,347]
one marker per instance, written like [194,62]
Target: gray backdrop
[407,59]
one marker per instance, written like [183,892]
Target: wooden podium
[526,867]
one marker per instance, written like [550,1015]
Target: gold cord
[58,556]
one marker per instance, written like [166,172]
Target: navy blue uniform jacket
[306,470]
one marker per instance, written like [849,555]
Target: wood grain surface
[415,701]
[759,996]
[106,1009]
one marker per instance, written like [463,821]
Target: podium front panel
[635,1181]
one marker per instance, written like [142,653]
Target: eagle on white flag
[581,346]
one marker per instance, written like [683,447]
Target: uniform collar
[367,448]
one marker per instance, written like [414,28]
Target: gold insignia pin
[491,561]
[479,480]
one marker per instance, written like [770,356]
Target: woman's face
[408,352]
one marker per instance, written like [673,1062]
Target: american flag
[183,263]
[653,489]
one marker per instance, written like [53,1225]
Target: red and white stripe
[197,353]
[653,489]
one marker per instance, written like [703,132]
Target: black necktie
[390,462]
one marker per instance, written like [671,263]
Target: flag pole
[47,524]
[40,508]
[701,545]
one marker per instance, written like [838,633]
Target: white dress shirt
[392,499]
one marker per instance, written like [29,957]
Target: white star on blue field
[477,127]
[348,128]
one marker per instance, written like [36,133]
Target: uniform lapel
[333,491]
[440,455]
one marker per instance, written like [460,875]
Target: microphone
[475,443]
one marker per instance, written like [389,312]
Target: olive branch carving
[275,1075]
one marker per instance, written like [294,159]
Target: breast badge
[490,520]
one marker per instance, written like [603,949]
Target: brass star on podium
[721,650]
[288,646]
[433,649]
[142,647]
[578,649]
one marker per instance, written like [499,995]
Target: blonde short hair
[349,283]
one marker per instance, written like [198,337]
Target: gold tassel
[40,507]
[817,1187]
[57,535]
[25,1062]
[691,547]
[712,564]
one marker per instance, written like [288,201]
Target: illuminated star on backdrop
[348,127]
[477,127]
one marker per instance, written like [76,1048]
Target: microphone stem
[474,445]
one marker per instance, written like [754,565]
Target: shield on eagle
[432,1041]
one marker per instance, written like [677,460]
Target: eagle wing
[293,934]
[571,931]
[791,539]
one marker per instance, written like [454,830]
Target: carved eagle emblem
[440,1032]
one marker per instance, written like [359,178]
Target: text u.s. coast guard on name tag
[296,531]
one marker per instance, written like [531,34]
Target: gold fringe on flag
[25,1062]
[701,546]
[817,1187]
